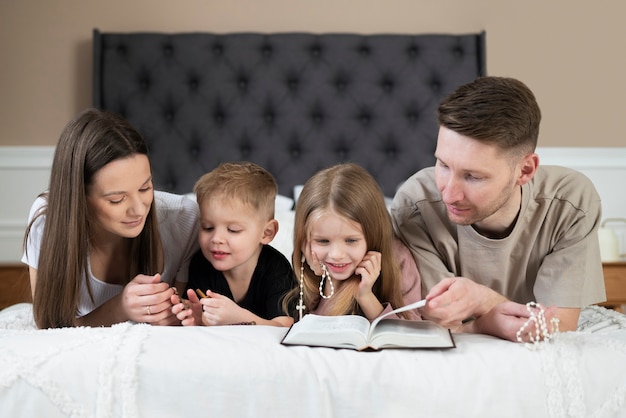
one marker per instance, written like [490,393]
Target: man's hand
[506,319]
[456,299]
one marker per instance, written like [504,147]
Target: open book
[356,332]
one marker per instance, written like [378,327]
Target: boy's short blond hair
[243,181]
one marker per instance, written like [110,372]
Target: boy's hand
[220,310]
[189,311]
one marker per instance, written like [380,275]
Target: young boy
[243,277]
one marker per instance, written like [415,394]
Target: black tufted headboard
[291,102]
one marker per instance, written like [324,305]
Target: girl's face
[337,242]
[120,196]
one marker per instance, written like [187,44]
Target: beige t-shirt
[552,256]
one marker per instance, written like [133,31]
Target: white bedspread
[133,370]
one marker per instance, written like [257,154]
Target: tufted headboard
[291,102]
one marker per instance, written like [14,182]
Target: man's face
[477,181]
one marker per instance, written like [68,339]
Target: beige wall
[570,52]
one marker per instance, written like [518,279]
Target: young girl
[345,252]
[102,246]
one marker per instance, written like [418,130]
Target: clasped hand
[148,299]
[215,309]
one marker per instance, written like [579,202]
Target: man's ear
[528,168]
[270,231]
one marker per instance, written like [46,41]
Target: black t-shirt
[273,277]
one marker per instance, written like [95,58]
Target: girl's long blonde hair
[349,190]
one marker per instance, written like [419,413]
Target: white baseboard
[24,173]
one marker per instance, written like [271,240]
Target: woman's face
[338,242]
[120,196]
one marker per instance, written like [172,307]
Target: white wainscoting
[24,173]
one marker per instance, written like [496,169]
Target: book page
[408,307]
[330,331]
[406,333]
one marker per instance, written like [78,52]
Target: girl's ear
[270,231]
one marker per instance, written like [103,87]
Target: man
[490,230]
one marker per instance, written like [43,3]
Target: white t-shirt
[178,225]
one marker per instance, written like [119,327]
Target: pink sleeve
[411,280]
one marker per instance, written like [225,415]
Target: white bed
[137,370]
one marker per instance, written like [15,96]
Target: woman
[102,246]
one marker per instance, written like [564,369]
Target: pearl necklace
[326,274]
[538,317]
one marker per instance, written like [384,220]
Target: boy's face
[231,234]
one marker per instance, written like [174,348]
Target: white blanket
[135,370]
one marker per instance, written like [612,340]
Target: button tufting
[266,50]
[387,84]
[341,82]
[219,118]
[412,116]
[317,117]
[342,153]
[316,50]
[293,83]
[365,117]
[304,103]
[391,153]
[295,152]
[218,49]
[245,150]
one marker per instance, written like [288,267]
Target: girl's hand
[148,299]
[188,311]
[313,262]
[369,270]
[220,310]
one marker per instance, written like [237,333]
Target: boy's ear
[270,231]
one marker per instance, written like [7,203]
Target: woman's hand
[148,299]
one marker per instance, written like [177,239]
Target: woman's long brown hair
[88,143]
